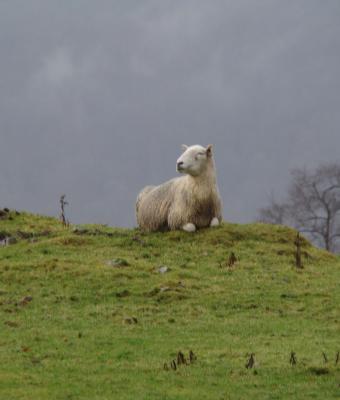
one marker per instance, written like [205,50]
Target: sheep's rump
[152,206]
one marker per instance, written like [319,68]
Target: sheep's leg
[189,227]
[214,222]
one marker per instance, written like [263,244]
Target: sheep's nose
[179,164]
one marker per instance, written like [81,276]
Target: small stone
[80,231]
[8,240]
[117,262]
[319,370]
[25,300]
[153,292]
[163,269]
[123,293]
[130,320]
[12,324]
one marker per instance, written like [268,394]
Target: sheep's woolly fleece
[188,202]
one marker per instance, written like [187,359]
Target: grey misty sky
[96,98]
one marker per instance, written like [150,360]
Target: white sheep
[188,202]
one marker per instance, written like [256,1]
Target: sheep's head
[194,160]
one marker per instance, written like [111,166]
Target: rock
[319,370]
[25,300]
[153,292]
[80,231]
[131,320]
[7,241]
[163,269]
[123,293]
[117,262]
[11,324]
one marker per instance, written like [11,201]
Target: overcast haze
[96,98]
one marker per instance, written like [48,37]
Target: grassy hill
[87,313]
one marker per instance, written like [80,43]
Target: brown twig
[181,358]
[63,203]
[251,361]
[325,357]
[232,259]
[192,356]
[297,242]
[292,359]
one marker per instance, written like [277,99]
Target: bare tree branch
[312,205]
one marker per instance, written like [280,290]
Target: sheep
[189,202]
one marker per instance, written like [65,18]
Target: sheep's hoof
[189,227]
[214,222]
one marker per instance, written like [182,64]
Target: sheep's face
[194,160]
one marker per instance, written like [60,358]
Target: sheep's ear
[209,150]
[184,147]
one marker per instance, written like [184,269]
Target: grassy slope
[76,338]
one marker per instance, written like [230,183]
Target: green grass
[73,326]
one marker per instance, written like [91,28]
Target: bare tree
[312,206]
[275,213]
